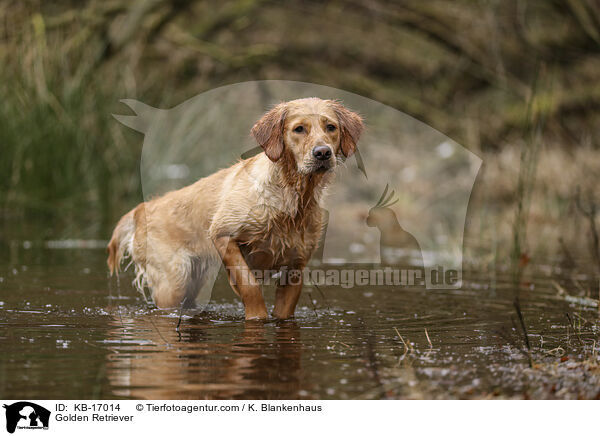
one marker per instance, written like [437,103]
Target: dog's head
[312,132]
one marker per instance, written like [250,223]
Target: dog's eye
[330,128]
[299,129]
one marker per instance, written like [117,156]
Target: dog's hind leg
[168,288]
[178,283]
[168,274]
[205,271]
[201,280]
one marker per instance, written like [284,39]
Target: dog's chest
[281,240]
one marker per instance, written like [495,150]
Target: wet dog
[262,213]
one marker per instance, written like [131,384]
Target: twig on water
[581,318]
[406,349]
[574,329]
[371,354]
[517,305]
[556,352]
[119,298]
[428,340]
[324,298]
[559,288]
[180,316]
[158,331]
[309,295]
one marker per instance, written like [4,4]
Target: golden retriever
[262,213]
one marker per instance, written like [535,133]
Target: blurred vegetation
[491,74]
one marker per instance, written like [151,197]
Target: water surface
[68,332]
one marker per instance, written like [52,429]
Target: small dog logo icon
[24,414]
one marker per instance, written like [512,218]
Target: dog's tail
[121,241]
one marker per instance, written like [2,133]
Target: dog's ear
[351,127]
[268,131]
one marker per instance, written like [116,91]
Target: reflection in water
[65,335]
[252,360]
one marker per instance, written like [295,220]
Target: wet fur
[267,206]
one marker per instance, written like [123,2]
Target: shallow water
[68,332]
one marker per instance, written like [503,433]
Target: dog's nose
[322,152]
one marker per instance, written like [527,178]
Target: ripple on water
[343,343]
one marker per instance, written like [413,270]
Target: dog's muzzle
[322,152]
[322,159]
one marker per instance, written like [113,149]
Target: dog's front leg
[287,294]
[241,278]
